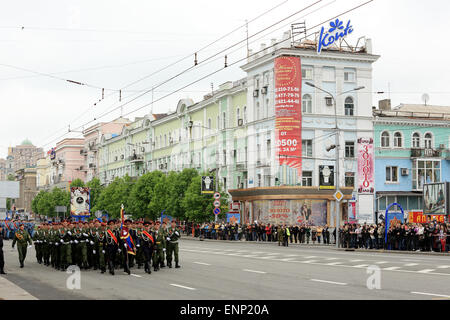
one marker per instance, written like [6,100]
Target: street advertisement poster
[291,212]
[208,185]
[234,218]
[352,211]
[80,202]
[326,177]
[419,217]
[366,166]
[434,198]
[288,112]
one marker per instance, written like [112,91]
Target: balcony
[92,165]
[262,164]
[426,153]
[241,166]
[136,158]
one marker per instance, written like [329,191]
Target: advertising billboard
[366,175]
[326,177]
[435,199]
[80,202]
[233,218]
[288,112]
[208,185]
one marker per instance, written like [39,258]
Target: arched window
[398,141]
[416,140]
[307,104]
[349,106]
[428,141]
[385,143]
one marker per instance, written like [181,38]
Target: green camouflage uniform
[173,235]
[22,238]
[160,243]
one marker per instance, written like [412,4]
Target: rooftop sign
[336,31]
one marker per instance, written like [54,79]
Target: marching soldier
[38,244]
[22,237]
[158,261]
[65,248]
[112,246]
[2,259]
[46,245]
[100,247]
[147,245]
[173,234]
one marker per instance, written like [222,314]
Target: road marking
[330,259]
[287,259]
[309,261]
[249,256]
[135,275]
[254,271]
[443,267]
[426,271]
[334,263]
[411,264]
[381,262]
[356,260]
[202,263]
[331,282]
[391,268]
[431,294]
[183,287]
[273,254]
[361,266]
[310,257]
[292,255]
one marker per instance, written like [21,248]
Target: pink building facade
[92,138]
[67,163]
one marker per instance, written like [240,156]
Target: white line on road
[391,268]
[443,267]
[287,259]
[331,282]
[381,262]
[135,275]
[334,263]
[431,294]
[202,263]
[411,264]
[310,257]
[330,259]
[254,271]
[426,271]
[361,266]
[356,260]
[309,261]
[179,286]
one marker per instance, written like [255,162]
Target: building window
[307,73]
[224,115]
[307,104]
[209,123]
[257,111]
[329,74]
[349,106]
[307,177]
[392,174]
[269,149]
[349,76]
[245,115]
[218,122]
[385,140]
[350,179]
[398,141]
[349,149]
[307,150]
[238,115]
[416,140]
[425,172]
[428,141]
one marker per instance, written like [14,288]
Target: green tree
[35,201]
[114,195]
[160,198]
[177,184]
[59,198]
[142,193]
[11,177]
[77,183]
[45,205]
[8,204]
[95,191]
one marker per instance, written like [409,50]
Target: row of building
[231,132]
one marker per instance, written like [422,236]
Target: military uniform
[160,242]
[100,249]
[64,237]
[111,242]
[173,235]
[38,244]
[2,259]
[147,245]
[22,237]
[139,248]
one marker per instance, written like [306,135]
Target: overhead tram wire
[186,57]
[217,71]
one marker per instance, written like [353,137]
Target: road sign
[217,203]
[61,209]
[217,196]
[339,196]
[217,211]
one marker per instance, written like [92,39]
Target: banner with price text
[288,112]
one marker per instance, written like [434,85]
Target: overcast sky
[112,43]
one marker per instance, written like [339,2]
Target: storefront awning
[399,193]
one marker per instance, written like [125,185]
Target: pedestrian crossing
[421,267]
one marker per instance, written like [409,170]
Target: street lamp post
[337,146]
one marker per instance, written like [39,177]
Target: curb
[437,254]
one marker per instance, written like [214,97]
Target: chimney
[369,46]
[263,48]
[384,105]
[273,44]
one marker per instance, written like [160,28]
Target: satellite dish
[425,98]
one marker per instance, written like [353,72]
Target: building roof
[159,116]
[26,142]
[423,108]
[416,111]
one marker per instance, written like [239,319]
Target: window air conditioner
[264,90]
[240,122]
[405,172]
[256,93]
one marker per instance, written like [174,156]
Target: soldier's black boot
[2,271]
[162,265]
[169,265]
[177,266]
[21,264]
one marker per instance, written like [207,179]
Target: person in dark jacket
[2,259]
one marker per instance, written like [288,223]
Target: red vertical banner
[288,112]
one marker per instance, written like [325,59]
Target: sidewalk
[9,291]
[328,246]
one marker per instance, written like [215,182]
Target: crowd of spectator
[432,236]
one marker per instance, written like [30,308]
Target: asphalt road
[249,271]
